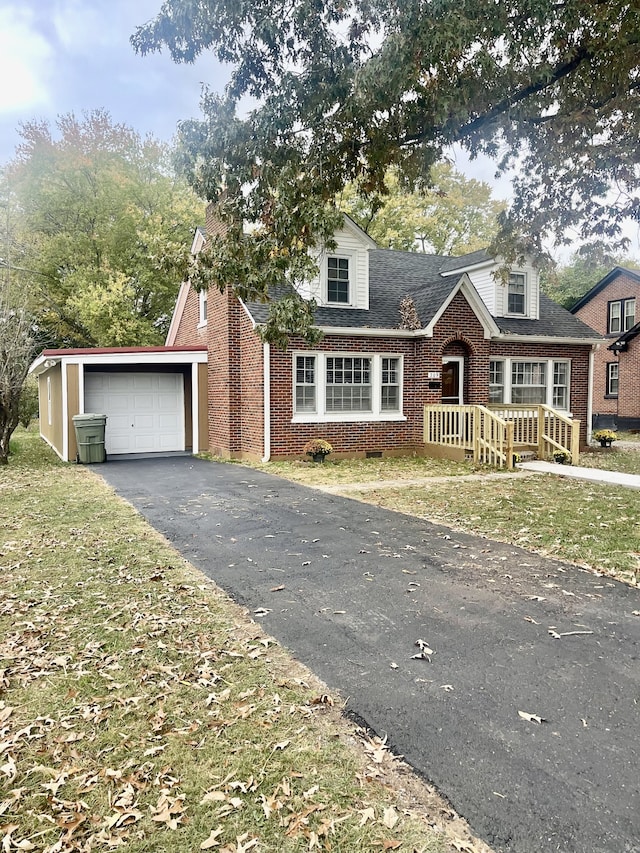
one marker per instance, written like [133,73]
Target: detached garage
[155,398]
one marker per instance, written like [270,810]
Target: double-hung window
[390,385]
[341,387]
[621,316]
[305,383]
[338,280]
[530,383]
[612,379]
[517,293]
[496,381]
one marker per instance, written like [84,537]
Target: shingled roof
[395,274]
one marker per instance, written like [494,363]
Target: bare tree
[16,351]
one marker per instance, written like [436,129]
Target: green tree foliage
[452,216]
[104,231]
[344,89]
[586,267]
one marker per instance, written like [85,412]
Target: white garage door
[145,411]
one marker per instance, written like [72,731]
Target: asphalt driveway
[349,589]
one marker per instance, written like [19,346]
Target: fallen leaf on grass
[390,817]
[214,797]
[169,810]
[323,699]
[212,840]
[531,718]
[367,815]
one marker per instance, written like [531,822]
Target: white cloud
[24,59]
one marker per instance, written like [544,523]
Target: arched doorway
[455,372]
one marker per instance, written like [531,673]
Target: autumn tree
[344,89]
[105,230]
[453,215]
[569,282]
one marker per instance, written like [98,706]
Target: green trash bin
[90,438]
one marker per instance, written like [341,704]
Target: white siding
[485,284]
[348,244]
[494,294]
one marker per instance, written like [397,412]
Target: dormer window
[338,280]
[517,293]
[622,316]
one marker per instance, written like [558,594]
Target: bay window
[340,387]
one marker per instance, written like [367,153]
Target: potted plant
[562,456]
[605,437]
[317,448]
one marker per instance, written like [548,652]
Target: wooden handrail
[492,436]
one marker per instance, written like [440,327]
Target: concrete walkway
[595,475]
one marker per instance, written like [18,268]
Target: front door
[452,380]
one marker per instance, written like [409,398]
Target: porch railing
[493,434]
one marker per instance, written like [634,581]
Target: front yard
[141,709]
[591,524]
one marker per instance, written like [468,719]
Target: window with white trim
[517,293]
[612,379]
[202,307]
[346,387]
[305,383]
[560,399]
[621,316]
[390,389]
[348,384]
[338,280]
[530,382]
[496,381]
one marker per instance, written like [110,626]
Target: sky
[62,56]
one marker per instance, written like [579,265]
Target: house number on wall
[433,374]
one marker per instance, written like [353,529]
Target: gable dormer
[517,298]
[343,280]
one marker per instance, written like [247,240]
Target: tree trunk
[8,423]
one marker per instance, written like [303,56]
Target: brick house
[610,308]
[365,385]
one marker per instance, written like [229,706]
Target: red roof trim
[119,350]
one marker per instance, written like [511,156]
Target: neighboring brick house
[364,386]
[611,307]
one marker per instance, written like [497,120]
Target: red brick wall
[629,381]
[288,439]
[594,313]
[188,333]
[235,379]
[458,332]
